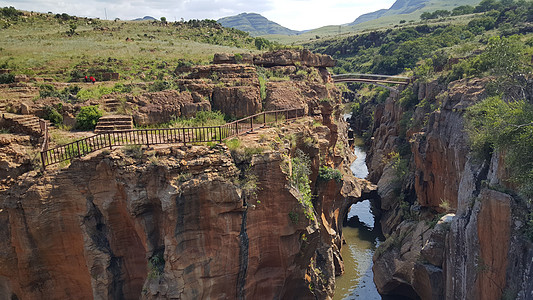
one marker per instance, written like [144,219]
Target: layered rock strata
[181,222]
[478,250]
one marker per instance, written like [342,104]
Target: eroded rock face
[440,154]
[14,158]
[277,58]
[161,107]
[479,252]
[237,101]
[293,57]
[232,89]
[175,222]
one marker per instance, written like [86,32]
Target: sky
[293,14]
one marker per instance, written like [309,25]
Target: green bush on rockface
[88,117]
[53,115]
[505,126]
[301,169]
[326,173]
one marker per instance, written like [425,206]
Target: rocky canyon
[188,221]
[454,223]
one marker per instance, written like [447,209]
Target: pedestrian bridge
[375,79]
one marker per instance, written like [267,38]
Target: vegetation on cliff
[394,50]
[505,126]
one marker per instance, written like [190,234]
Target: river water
[362,233]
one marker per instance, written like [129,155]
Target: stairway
[111,104]
[28,124]
[114,122]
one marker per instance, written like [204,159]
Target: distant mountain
[369,16]
[146,18]
[255,24]
[399,7]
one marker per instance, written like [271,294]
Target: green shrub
[67,94]
[293,216]
[10,13]
[478,25]
[262,87]
[326,173]
[202,118]
[156,265]
[47,90]
[7,78]
[462,10]
[504,56]
[53,115]
[408,98]
[159,85]
[238,58]
[233,144]
[400,166]
[88,117]
[249,185]
[301,169]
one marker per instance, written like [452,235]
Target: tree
[163,20]
[462,10]
[426,16]
[487,5]
[503,56]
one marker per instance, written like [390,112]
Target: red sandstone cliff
[475,252]
[175,222]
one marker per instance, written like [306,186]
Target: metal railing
[371,78]
[155,136]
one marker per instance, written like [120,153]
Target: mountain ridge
[397,8]
[255,24]
[145,18]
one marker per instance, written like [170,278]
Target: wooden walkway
[155,136]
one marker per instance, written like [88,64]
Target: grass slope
[53,45]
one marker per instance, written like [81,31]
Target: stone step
[114,122]
[111,128]
[104,128]
[111,123]
[116,117]
[122,126]
[17,117]
[28,122]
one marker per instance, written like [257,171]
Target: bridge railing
[155,136]
[371,78]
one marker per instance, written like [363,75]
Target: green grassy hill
[402,11]
[56,46]
[395,50]
[255,24]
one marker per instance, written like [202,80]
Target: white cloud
[294,14]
